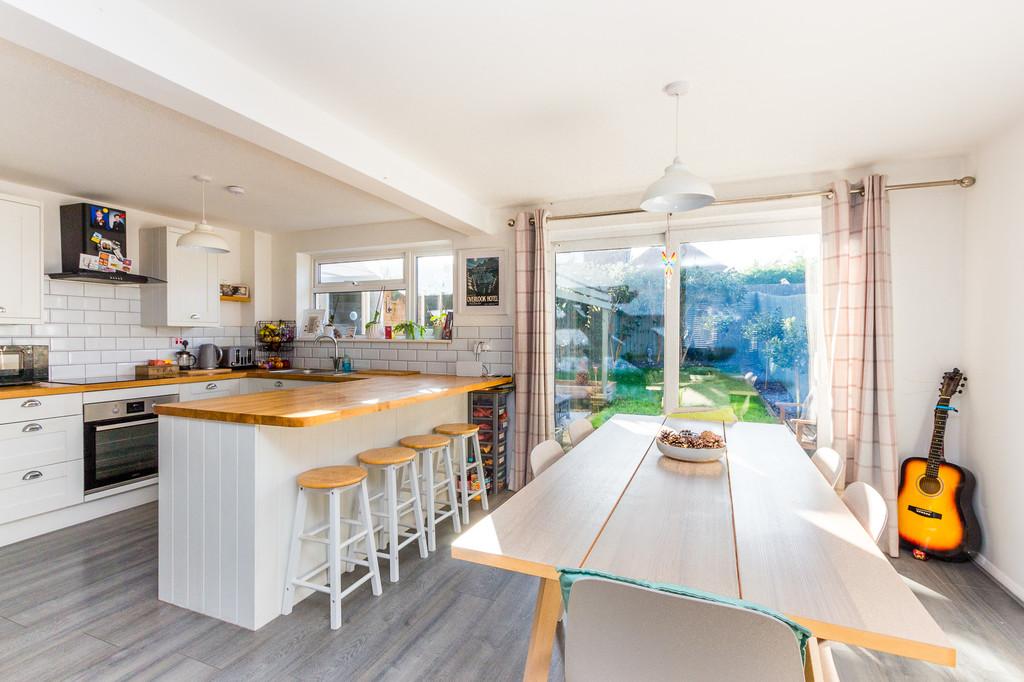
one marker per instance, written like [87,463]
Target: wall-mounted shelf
[236,299]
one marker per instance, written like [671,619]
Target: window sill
[363,339]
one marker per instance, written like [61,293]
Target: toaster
[238,356]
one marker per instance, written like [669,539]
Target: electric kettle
[209,356]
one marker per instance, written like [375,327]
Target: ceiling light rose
[202,235]
[678,190]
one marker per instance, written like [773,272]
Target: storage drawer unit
[34,490]
[491,409]
[24,445]
[264,385]
[214,388]
[40,407]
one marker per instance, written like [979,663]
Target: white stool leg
[453,499]
[417,509]
[428,477]
[352,513]
[371,546]
[334,555]
[391,488]
[464,477]
[480,470]
[298,525]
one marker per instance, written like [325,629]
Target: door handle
[278,384]
[31,403]
[3,309]
[29,428]
[211,387]
[32,475]
[194,316]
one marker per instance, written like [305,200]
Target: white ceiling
[68,132]
[537,100]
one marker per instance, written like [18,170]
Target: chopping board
[206,372]
[389,372]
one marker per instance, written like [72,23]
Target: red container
[387,332]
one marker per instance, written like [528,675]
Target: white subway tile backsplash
[142,331]
[100,317]
[70,343]
[447,355]
[116,329]
[63,372]
[99,290]
[83,303]
[426,355]
[54,302]
[58,358]
[49,330]
[15,329]
[83,330]
[398,364]
[416,366]
[128,318]
[84,357]
[100,370]
[139,356]
[129,343]
[58,315]
[378,364]
[127,292]
[389,354]
[65,288]
[437,367]
[100,343]
[114,304]
[467,332]
[116,356]
[156,342]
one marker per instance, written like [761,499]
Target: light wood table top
[555,519]
[801,552]
[325,403]
[761,524]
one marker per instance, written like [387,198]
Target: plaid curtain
[857,295]
[534,343]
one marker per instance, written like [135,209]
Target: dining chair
[868,506]
[620,631]
[830,463]
[544,455]
[579,429]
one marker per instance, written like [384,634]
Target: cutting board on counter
[205,372]
[389,372]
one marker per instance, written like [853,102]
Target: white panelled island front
[227,479]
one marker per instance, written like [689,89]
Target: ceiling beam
[131,46]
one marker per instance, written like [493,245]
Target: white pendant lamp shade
[677,191]
[202,236]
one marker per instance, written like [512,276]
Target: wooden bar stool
[332,481]
[393,461]
[430,446]
[463,435]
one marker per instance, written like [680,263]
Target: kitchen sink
[316,372]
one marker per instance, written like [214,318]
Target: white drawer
[40,407]
[212,388]
[39,443]
[40,489]
[264,385]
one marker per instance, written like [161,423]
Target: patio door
[609,331]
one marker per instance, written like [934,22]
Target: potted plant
[437,323]
[410,329]
[372,328]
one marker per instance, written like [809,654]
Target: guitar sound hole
[929,485]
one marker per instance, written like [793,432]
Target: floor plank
[81,603]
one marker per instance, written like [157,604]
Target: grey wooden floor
[81,604]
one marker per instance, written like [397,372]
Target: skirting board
[30,527]
[1015,590]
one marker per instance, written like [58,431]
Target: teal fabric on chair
[568,576]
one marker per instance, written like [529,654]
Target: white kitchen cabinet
[214,388]
[264,385]
[21,277]
[191,296]
[41,466]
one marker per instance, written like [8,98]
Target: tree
[780,341]
[714,296]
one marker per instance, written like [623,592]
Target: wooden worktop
[52,388]
[327,403]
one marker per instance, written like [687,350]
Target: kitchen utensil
[183,359]
[209,356]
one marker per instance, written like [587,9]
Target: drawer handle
[31,403]
[194,316]
[3,309]
[32,475]
[211,387]
[278,384]
[29,428]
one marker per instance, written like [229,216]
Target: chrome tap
[337,360]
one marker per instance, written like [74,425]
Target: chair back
[868,506]
[544,455]
[618,631]
[579,429]
[830,463]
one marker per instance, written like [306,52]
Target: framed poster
[311,324]
[483,282]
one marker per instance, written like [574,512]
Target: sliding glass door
[609,333]
[731,323]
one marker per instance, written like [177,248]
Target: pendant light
[202,235]
[678,190]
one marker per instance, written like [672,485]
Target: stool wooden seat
[395,462]
[325,478]
[427,441]
[387,456]
[457,429]
[332,482]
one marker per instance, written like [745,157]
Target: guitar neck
[936,449]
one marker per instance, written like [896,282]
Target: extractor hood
[94,245]
[97,276]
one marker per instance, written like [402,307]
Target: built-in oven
[121,441]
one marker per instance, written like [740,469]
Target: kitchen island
[227,479]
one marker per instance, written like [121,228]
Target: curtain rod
[966,181]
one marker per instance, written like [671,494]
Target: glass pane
[361,271]
[609,334]
[744,352]
[434,287]
[352,310]
[125,453]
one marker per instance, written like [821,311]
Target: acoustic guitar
[936,498]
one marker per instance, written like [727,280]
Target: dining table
[759,524]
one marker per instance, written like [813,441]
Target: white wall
[994,327]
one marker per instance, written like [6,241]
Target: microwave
[24,364]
